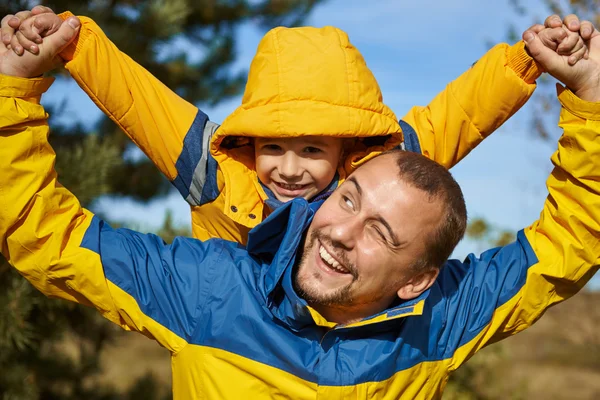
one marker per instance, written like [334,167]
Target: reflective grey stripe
[199,177]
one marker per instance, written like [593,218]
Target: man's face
[364,240]
[297,167]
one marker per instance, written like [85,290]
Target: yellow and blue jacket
[302,81]
[229,314]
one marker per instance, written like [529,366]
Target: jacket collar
[275,243]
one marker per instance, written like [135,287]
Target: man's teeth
[331,262]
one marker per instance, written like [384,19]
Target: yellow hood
[303,82]
[309,81]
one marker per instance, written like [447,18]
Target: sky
[414,48]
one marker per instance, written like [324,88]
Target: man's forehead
[381,165]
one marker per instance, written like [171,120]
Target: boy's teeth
[325,256]
[291,186]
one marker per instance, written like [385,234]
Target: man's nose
[290,166]
[346,232]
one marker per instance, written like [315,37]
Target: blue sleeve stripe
[477,287]
[190,155]
[411,140]
[210,190]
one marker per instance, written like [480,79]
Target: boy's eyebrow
[395,241]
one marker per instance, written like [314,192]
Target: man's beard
[341,297]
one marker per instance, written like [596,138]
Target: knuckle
[23,14]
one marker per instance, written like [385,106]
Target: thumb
[67,32]
[540,52]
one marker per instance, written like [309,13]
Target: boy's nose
[290,166]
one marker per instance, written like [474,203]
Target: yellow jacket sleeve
[153,116]
[474,105]
[65,251]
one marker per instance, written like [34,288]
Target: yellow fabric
[154,117]
[254,380]
[565,238]
[42,225]
[35,209]
[288,94]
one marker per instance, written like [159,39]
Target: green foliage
[51,349]
[487,234]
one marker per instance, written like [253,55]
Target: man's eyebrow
[395,241]
[355,182]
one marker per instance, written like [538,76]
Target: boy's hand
[30,65]
[583,78]
[24,30]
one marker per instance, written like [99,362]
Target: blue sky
[414,49]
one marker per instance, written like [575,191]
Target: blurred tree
[50,349]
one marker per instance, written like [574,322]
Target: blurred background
[51,349]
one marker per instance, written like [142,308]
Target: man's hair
[435,180]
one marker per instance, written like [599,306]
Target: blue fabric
[190,155]
[219,294]
[411,140]
[210,190]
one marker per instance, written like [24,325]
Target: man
[345,300]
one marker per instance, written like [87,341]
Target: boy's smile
[298,166]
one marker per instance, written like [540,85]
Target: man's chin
[316,292]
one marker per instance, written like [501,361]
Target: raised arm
[472,106]
[507,289]
[173,133]
[134,280]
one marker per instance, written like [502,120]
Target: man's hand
[583,78]
[30,65]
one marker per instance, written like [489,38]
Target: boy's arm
[508,289]
[67,252]
[472,106]
[173,133]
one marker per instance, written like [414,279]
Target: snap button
[234,208]
[252,216]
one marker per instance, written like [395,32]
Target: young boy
[307,89]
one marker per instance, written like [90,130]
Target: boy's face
[297,167]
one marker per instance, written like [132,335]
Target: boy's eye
[312,150]
[271,147]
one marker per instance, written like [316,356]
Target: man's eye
[348,202]
[380,234]
[312,150]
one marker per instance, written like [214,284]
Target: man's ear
[418,284]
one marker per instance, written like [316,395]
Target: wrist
[12,86]
[584,109]
[520,61]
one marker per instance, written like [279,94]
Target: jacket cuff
[581,108]
[73,48]
[522,63]
[12,86]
